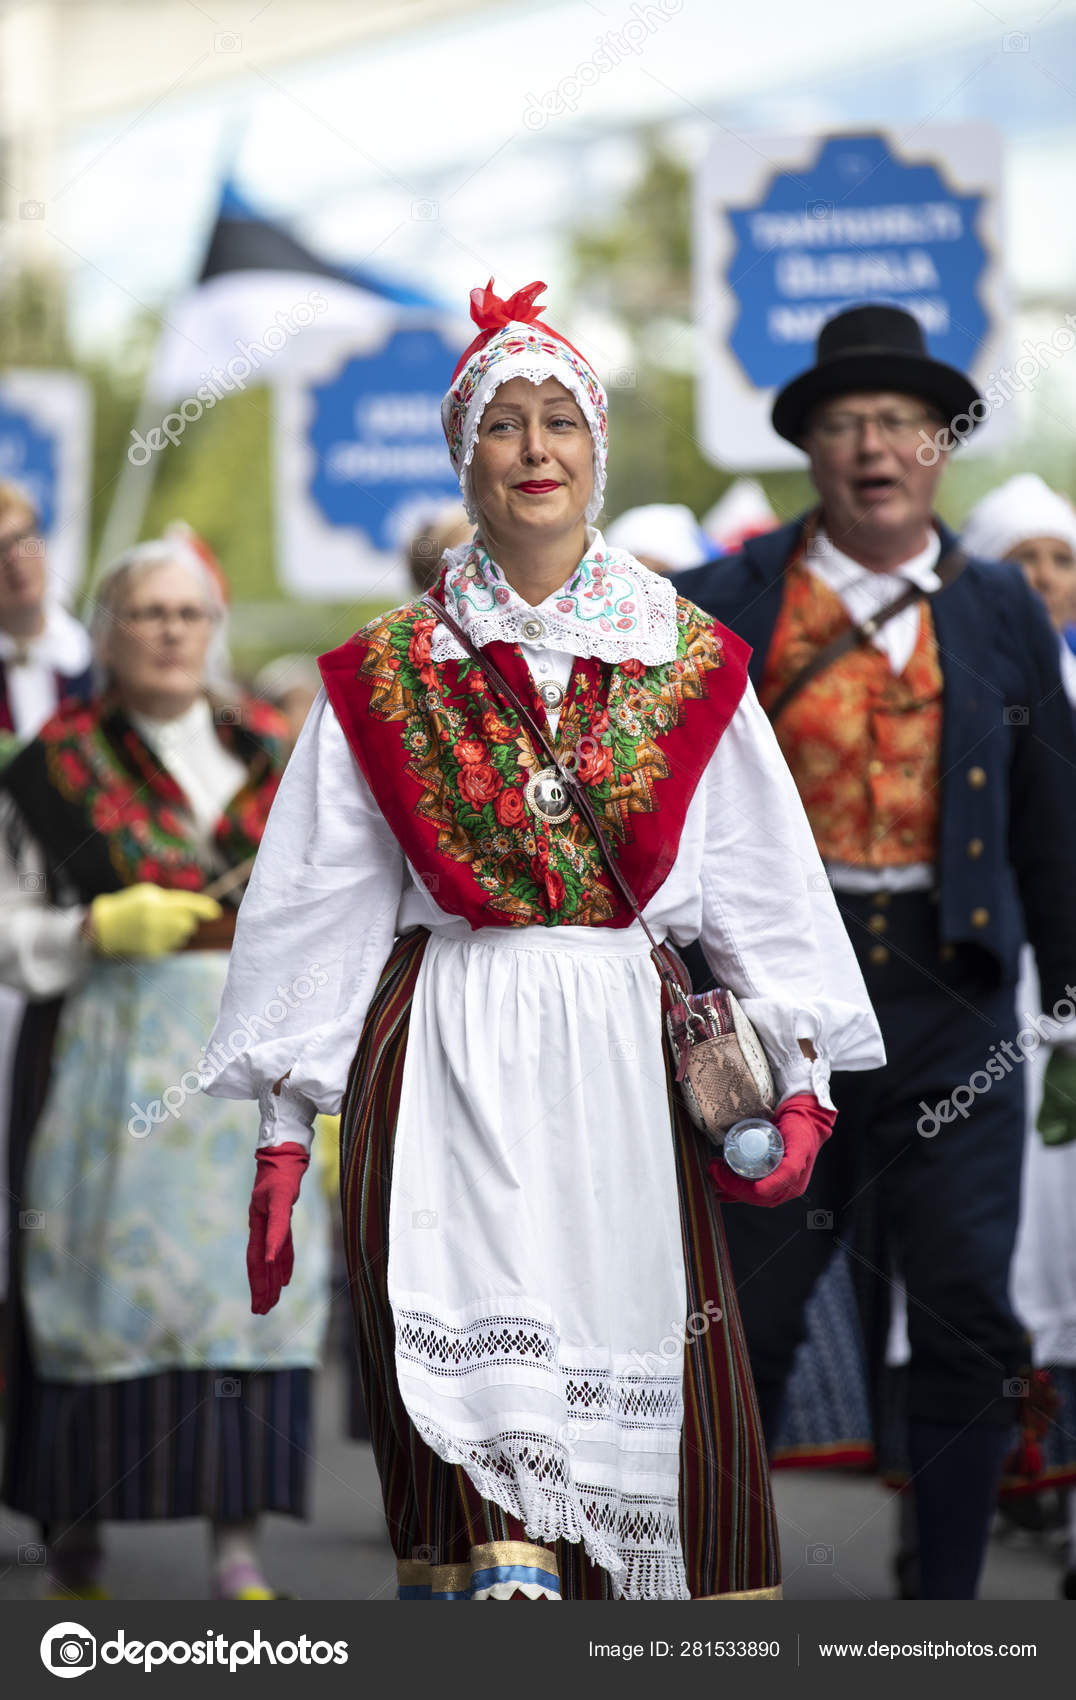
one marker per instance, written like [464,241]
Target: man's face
[862,449]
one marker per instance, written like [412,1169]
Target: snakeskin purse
[720,1065]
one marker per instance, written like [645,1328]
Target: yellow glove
[326,1154]
[146,920]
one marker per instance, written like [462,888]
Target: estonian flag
[258,290]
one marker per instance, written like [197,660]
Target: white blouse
[535,1245]
[331,888]
[62,647]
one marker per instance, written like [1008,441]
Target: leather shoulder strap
[950,567]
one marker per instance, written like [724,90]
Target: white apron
[536,1271]
[134,1256]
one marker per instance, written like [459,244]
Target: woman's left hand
[804,1126]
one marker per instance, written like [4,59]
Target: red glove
[270,1253]
[804,1126]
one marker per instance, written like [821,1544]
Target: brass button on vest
[947,952]
[877,923]
[880,899]
[975,848]
[976,778]
[878,954]
[979,917]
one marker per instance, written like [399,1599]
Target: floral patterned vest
[862,743]
[448,763]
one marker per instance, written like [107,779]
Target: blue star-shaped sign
[857,225]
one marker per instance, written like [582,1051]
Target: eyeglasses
[893,427]
[157,615]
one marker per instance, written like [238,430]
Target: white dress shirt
[33,663]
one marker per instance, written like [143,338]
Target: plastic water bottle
[753,1148]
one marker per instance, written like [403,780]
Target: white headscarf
[512,344]
[1022,507]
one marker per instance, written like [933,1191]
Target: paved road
[836,1534]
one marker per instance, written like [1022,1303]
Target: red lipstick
[538,486]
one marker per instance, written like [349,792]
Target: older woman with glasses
[140,1386]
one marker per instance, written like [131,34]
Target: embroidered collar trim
[611,607]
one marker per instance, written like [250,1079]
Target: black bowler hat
[872,348]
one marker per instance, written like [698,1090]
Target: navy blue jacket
[1007,818]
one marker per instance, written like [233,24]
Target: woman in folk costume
[1027,522]
[139,1384]
[553,1363]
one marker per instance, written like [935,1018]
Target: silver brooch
[548,796]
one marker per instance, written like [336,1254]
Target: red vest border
[447,763]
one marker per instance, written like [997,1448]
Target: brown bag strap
[950,566]
[575,790]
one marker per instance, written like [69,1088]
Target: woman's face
[533,469]
[1050,565]
[156,648]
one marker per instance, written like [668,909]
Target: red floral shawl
[447,762]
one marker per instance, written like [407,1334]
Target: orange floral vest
[863,744]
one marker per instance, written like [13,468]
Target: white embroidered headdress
[512,344]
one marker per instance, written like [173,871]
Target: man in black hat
[916,696]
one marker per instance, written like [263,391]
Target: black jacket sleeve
[1042,836]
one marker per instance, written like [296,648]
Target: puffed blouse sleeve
[42,951]
[314,931]
[770,928]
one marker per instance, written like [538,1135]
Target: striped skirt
[449,1542]
[178,1443]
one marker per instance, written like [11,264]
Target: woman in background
[140,1385]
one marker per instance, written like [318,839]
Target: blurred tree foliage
[636,266]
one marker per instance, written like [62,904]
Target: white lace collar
[612,607]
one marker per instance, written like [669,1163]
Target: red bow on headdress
[491,314]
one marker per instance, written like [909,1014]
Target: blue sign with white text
[28,457]
[857,225]
[381,458]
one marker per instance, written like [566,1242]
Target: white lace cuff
[807,1075]
[285,1117]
